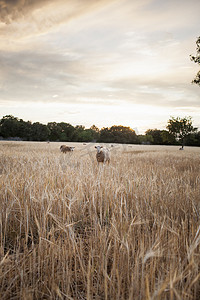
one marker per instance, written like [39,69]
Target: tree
[180,128]
[159,137]
[118,134]
[67,131]
[9,126]
[196,59]
[105,135]
[78,135]
[145,139]
[193,139]
[123,134]
[156,136]
[168,138]
[55,131]
[24,130]
[39,132]
[95,132]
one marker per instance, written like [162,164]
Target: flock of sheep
[102,155]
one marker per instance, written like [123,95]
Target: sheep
[65,149]
[103,155]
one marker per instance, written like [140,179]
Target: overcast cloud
[99,62]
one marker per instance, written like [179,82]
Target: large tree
[180,128]
[156,136]
[39,132]
[9,126]
[67,131]
[55,131]
[118,134]
[196,59]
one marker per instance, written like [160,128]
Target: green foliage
[196,59]
[193,139]
[159,137]
[55,131]
[118,134]
[85,135]
[180,128]
[95,132]
[39,132]
[145,139]
[155,135]
[168,138]
[67,131]
[9,126]
[12,127]
[78,135]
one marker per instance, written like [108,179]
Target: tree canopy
[118,134]
[196,59]
[180,128]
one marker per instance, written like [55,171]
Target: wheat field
[70,229]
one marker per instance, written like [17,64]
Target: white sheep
[103,154]
[65,148]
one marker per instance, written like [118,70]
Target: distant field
[72,230]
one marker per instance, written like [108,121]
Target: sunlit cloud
[97,59]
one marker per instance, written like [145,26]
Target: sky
[102,62]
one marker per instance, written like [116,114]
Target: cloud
[96,78]
[11,10]
[27,75]
[107,53]
[23,20]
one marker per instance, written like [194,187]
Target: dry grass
[71,230]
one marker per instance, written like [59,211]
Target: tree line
[178,131]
